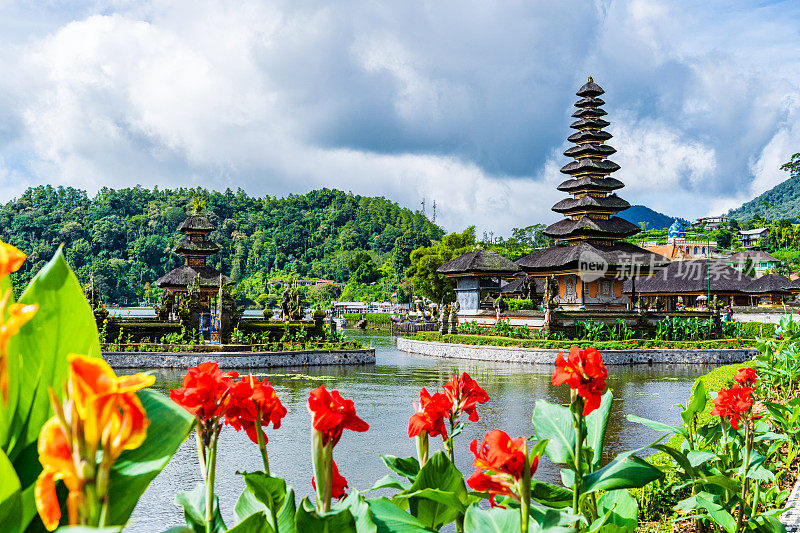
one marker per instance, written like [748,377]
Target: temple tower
[590,260]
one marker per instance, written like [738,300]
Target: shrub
[520,304]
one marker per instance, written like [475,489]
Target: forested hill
[124,237]
[654,220]
[781,201]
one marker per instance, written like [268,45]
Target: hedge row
[490,340]
[372,318]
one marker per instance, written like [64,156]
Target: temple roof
[600,150]
[588,112]
[605,166]
[619,255]
[611,202]
[585,136]
[184,275]
[588,101]
[196,247]
[575,184]
[590,88]
[479,262]
[692,277]
[757,256]
[589,122]
[770,283]
[586,227]
[196,223]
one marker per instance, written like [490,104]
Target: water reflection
[383,393]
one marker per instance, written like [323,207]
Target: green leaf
[596,424]
[658,426]
[194,509]
[626,471]
[255,523]
[497,520]
[624,509]
[717,513]
[360,510]
[554,423]
[431,507]
[88,529]
[408,467]
[308,520]
[10,496]
[389,518]
[389,482]
[246,505]
[550,495]
[135,469]
[698,457]
[697,402]
[551,521]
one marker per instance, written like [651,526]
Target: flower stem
[747,446]
[525,493]
[262,445]
[210,471]
[201,449]
[576,489]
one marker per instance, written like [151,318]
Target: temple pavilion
[477,274]
[195,250]
[590,261]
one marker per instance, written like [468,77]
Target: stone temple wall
[546,356]
[240,360]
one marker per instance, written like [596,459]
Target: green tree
[426,260]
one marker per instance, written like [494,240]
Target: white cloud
[467,104]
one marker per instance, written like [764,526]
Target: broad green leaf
[247,504]
[624,509]
[550,495]
[135,469]
[717,513]
[268,494]
[440,475]
[308,520]
[494,520]
[408,467]
[698,457]
[544,520]
[360,510]
[596,424]
[13,370]
[697,402]
[450,499]
[554,423]
[194,509]
[389,482]
[255,523]
[389,518]
[658,426]
[626,471]
[10,496]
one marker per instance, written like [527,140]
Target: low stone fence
[791,518]
[243,360]
[546,356]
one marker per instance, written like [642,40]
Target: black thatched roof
[589,101]
[595,150]
[692,277]
[611,202]
[196,247]
[585,136]
[755,256]
[196,223]
[605,166]
[593,182]
[613,227]
[479,262]
[590,88]
[184,275]
[618,256]
[770,283]
[589,122]
[589,112]
[517,286]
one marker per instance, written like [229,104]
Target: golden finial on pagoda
[590,79]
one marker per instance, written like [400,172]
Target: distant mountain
[655,220]
[783,202]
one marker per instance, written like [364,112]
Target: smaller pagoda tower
[194,281]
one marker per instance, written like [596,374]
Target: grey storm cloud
[467,103]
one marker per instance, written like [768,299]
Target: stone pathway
[791,518]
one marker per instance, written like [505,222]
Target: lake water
[383,393]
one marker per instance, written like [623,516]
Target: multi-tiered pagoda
[195,250]
[590,260]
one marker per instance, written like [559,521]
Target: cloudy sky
[465,102]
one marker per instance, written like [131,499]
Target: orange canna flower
[12,318]
[96,389]
[55,454]
[11,259]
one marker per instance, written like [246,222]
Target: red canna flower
[732,403]
[746,377]
[499,465]
[339,483]
[429,415]
[584,372]
[204,389]
[464,394]
[249,399]
[333,414]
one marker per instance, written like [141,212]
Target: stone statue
[165,308]
[98,308]
[286,301]
[454,317]
[443,329]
